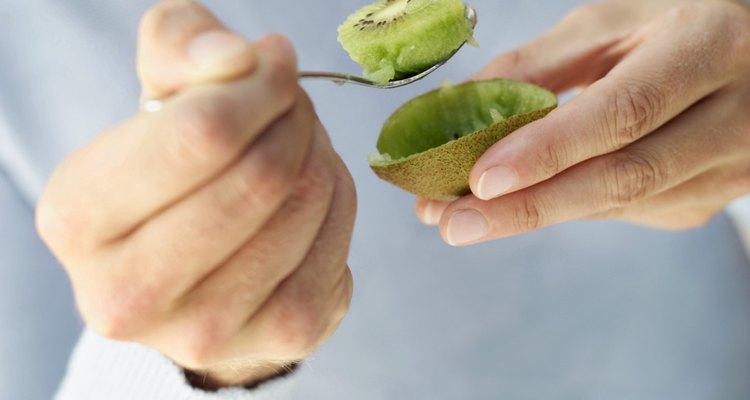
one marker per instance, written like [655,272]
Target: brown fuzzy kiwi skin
[442,173]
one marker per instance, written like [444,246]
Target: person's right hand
[217,229]
[658,136]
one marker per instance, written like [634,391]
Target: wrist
[247,376]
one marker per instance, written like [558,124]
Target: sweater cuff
[105,369]
[739,210]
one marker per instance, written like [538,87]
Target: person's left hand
[659,137]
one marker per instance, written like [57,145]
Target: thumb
[182,44]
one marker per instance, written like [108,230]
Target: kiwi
[394,39]
[429,145]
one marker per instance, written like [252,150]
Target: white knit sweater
[105,369]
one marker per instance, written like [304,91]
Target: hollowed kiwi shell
[429,145]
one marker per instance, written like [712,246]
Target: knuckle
[527,215]
[297,322]
[202,345]
[119,316]
[271,169]
[633,109]
[260,183]
[311,195]
[317,183]
[201,133]
[281,77]
[295,344]
[550,160]
[633,176]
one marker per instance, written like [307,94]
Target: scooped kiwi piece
[394,39]
[429,145]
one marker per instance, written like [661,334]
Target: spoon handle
[336,78]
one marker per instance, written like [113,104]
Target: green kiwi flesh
[429,145]
[393,39]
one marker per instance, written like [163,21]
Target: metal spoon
[338,78]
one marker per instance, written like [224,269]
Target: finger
[663,160]
[685,205]
[130,173]
[309,304]
[252,273]
[677,61]
[690,204]
[429,212]
[182,44]
[580,49]
[176,249]
[245,282]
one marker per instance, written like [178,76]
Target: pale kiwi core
[393,39]
[429,145]
[395,10]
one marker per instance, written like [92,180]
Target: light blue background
[578,311]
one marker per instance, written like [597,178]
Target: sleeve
[739,210]
[105,369]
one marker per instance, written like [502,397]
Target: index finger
[676,61]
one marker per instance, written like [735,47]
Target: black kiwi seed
[364,23]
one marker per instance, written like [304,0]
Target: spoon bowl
[341,79]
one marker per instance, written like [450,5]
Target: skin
[659,134]
[217,229]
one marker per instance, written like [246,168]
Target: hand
[660,135]
[217,229]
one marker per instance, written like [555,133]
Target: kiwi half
[429,145]
[393,39]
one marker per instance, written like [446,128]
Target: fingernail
[432,213]
[496,181]
[215,48]
[465,227]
